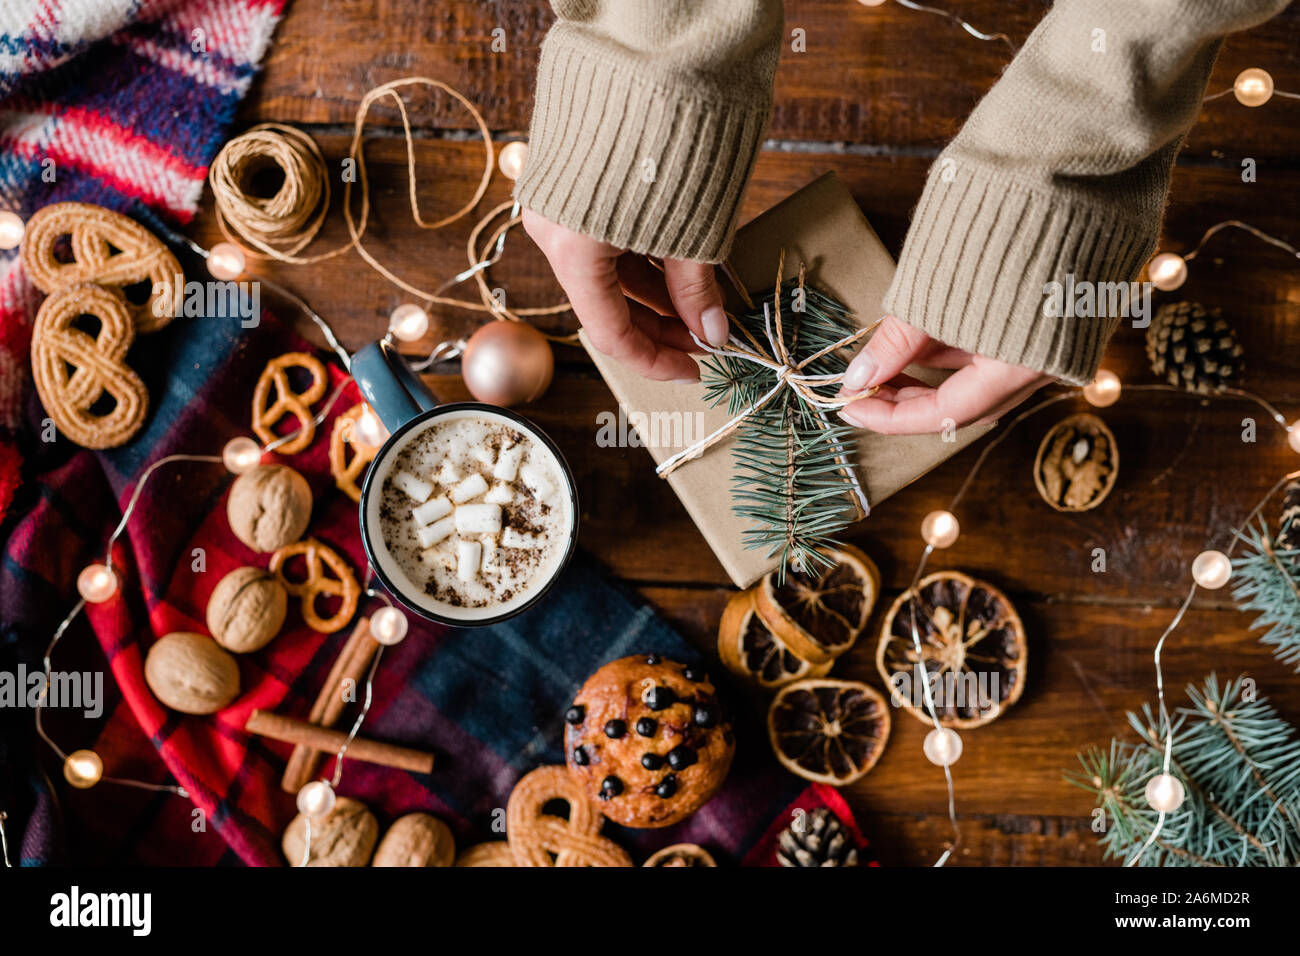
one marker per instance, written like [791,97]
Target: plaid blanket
[111,102]
[488,702]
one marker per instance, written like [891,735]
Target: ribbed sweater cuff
[635,160]
[980,254]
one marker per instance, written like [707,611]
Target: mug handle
[389,384]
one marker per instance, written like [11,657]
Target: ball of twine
[278,225]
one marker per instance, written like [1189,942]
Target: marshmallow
[469,489]
[431,510]
[536,480]
[447,474]
[478,519]
[436,532]
[518,539]
[507,465]
[468,557]
[489,562]
[417,488]
[500,494]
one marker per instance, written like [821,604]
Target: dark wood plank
[882,75]
[1002,840]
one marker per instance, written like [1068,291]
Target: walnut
[343,837]
[190,673]
[269,507]
[417,839]
[1077,463]
[246,609]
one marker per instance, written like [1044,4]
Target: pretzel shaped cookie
[267,412]
[317,584]
[108,249]
[538,838]
[347,471]
[74,370]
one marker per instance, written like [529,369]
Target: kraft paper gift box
[822,227]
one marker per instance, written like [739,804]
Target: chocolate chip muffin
[649,740]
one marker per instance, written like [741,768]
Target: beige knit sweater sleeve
[647,118]
[1062,169]
[649,114]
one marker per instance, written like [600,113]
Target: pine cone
[1193,348]
[824,842]
[1288,536]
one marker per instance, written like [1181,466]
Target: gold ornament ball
[507,363]
[11,230]
[511,160]
[83,769]
[1253,87]
[1168,271]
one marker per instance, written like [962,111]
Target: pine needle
[789,478]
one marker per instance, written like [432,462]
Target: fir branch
[1266,580]
[1240,766]
[790,479]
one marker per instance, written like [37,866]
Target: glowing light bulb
[408,322]
[241,454]
[942,746]
[511,160]
[370,430]
[1253,87]
[1167,270]
[316,799]
[388,626]
[96,583]
[1293,436]
[11,230]
[226,261]
[1211,570]
[83,769]
[1165,792]
[939,529]
[1104,390]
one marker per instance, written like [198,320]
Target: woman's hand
[630,310]
[981,390]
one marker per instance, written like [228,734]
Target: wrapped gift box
[822,227]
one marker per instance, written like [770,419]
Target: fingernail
[844,413]
[716,330]
[858,375]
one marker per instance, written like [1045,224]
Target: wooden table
[877,93]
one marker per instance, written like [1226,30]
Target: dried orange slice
[828,731]
[818,614]
[973,647]
[749,650]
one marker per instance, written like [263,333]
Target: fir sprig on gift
[1239,763]
[791,479]
[1266,580]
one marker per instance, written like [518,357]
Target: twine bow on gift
[789,374]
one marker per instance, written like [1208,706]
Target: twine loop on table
[279,227]
[789,374]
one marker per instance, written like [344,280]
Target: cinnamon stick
[351,664]
[278,727]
